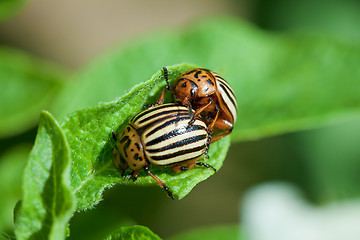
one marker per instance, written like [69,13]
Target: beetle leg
[161,183]
[161,98]
[211,126]
[130,175]
[134,174]
[202,164]
[220,136]
[223,125]
[191,114]
[184,166]
[206,156]
[159,101]
[198,111]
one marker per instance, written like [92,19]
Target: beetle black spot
[183,85]
[127,144]
[128,129]
[196,75]
[136,156]
[134,164]
[190,71]
[199,80]
[210,82]
[140,159]
[125,138]
[132,150]
[133,135]
[137,146]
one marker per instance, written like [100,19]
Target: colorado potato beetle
[161,136]
[209,95]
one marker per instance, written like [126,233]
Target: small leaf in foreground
[89,134]
[133,233]
[48,202]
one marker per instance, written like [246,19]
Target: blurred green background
[323,162]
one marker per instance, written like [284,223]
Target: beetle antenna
[166,76]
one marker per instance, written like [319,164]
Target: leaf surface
[48,202]
[89,134]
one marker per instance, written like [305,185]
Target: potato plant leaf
[48,201]
[88,132]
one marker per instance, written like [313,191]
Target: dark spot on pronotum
[140,159]
[193,84]
[133,135]
[207,89]
[134,164]
[136,156]
[204,76]
[132,149]
[210,82]
[190,71]
[128,129]
[196,75]
[199,80]
[137,146]
[183,85]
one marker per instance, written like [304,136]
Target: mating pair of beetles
[178,134]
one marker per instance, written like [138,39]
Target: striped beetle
[210,95]
[161,136]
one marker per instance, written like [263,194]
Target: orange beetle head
[194,84]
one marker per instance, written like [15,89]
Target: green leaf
[48,202]
[27,85]
[10,7]
[133,233]
[224,232]
[12,164]
[89,134]
[282,82]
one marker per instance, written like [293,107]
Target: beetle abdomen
[166,136]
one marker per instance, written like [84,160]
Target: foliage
[48,201]
[283,83]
